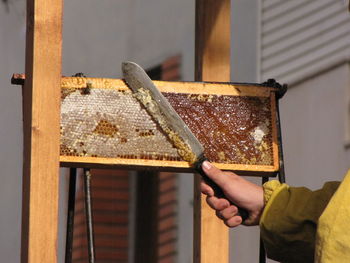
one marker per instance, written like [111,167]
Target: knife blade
[188,146]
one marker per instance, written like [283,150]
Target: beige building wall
[315,114]
[99,35]
[12,37]
[306,45]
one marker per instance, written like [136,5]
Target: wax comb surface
[102,123]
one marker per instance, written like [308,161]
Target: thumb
[215,174]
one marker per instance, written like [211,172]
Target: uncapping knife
[189,148]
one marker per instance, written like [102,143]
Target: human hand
[239,191]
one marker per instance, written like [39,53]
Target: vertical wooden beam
[212,54]
[212,58]
[41,113]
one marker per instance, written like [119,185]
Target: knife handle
[217,190]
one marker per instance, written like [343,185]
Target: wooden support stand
[211,239]
[41,110]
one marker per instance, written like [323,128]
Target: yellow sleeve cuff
[269,187]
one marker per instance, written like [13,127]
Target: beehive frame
[41,107]
[110,105]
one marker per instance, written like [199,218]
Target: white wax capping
[259,134]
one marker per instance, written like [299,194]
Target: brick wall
[110,205]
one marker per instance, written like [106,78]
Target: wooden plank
[170,166]
[187,87]
[211,239]
[41,110]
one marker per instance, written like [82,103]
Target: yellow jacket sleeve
[333,231]
[289,221]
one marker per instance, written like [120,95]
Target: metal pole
[262,252]
[282,89]
[281,173]
[70,215]
[88,214]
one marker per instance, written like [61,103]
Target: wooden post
[211,238]
[41,110]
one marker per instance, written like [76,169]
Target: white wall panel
[301,38]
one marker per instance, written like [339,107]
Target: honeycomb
[183,148]
[111,123]
[232,129]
